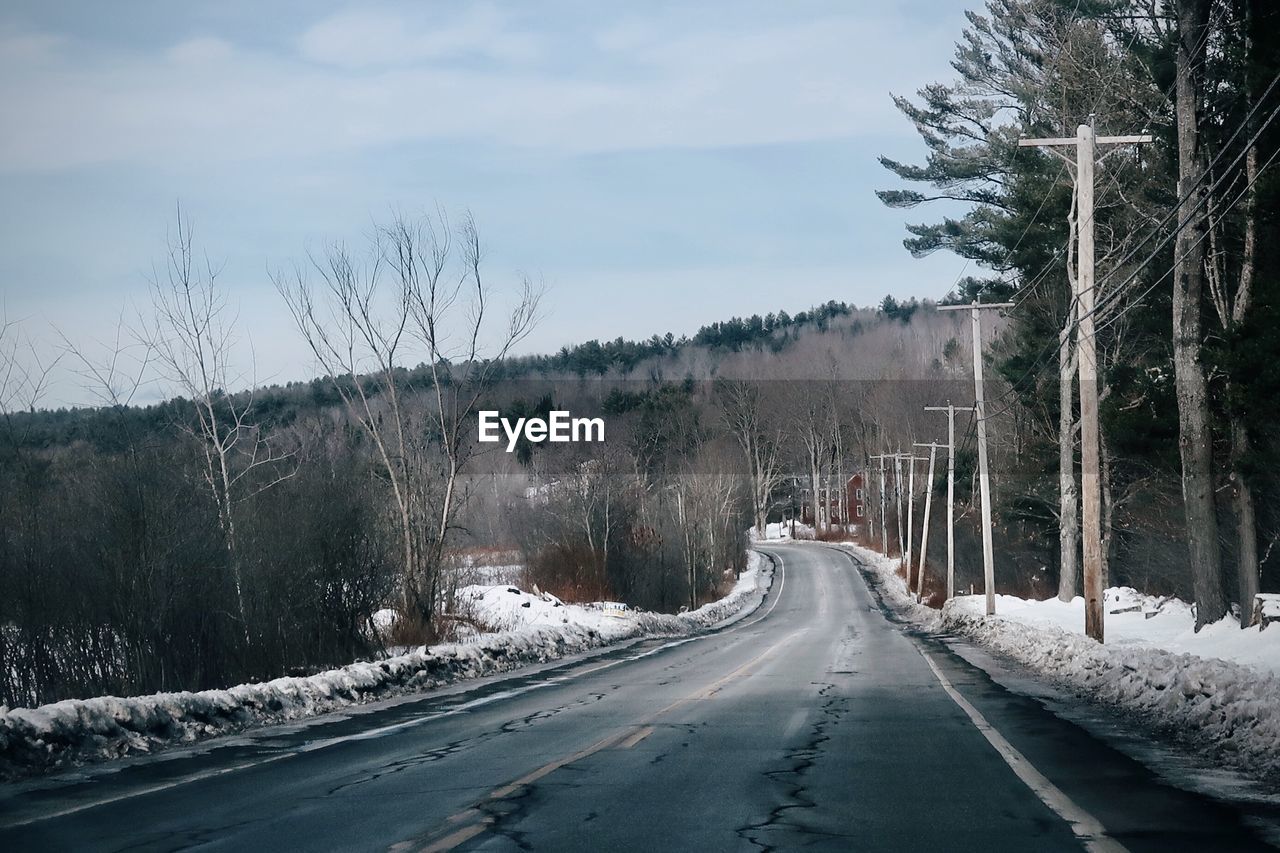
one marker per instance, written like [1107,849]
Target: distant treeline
[598,358]
[281,405]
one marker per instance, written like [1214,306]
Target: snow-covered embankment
[79,730]
[1229,709]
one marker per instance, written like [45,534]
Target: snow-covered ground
[775,530]
[1216,691]
[1144,621]
[78,730]
[508,608]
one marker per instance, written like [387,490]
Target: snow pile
[509,608]
[1136,620]
[1227,709]
[78,730]
[775,530]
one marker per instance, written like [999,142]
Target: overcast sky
[660,164]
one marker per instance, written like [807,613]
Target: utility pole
[951,490]
[904,542]
[897,499]
[928,506]
[884,518]
[911,505]
[984,480]
[911,509]
[871,516]
[1085,143]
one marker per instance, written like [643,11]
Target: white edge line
[152,789]
[1085,826]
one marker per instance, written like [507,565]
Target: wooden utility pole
[911,505]
[911,461]
[951,490]
[984,479]
[1085,143]
[928,506]
[897,499]
[884,518]
[871,516]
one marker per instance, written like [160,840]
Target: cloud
[200,51]
[29,49]
[362,79]
[365,38]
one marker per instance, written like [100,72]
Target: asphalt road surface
[816,723]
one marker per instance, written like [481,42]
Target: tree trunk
[1108,498]
[1248,572]
[1195,437]
[815,486]
[1068,494]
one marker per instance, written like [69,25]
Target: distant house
[855,500]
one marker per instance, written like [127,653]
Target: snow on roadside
[1136,620]
[781,530]
[509,608]
[80,730]
[1228,709]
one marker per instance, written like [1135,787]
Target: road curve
[816,723]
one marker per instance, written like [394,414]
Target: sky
[658,165]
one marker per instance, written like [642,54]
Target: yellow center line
[636,738]
[462,835]
[625,739]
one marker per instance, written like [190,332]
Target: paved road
[817,723]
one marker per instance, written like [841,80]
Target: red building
[855,500]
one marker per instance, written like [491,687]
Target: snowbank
[80,730]
[1226,708]
[1136,620]
[775,530]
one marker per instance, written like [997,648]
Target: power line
[1134,303]
[1112,296]
[1115,294]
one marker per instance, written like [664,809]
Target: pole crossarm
[1129,139]
[1052,140]
[969,306]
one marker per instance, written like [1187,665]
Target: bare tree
[191,332]
[118,372]
[813,419]
[744,413]
[24,375]
[436,306]
[450,320]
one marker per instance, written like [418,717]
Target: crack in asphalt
[503,815]
[800,760]
[453,747]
